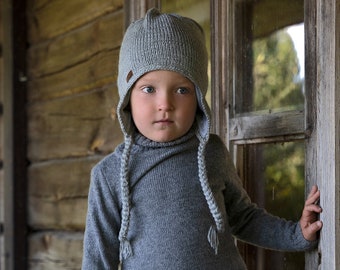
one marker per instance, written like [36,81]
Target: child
[169,196]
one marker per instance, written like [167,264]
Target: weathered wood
[57,17]
[1,108]
[97,72]
[137,9]
[2,208]
[2,257]
[281,124]
[62,214]
[55,250]
[328,129]
[75,126]
[59,187]
[2,192]
[15,132]
[77,46]
[312,257]
[220,55]
[1,140]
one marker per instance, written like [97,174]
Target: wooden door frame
[323,124]
[15,134]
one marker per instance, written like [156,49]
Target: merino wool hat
[170,42]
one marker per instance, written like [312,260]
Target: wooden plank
[1,106]
[77,46]
[57,17]
[312,257]
[59,187]
[280,124]
[137,9]
[219,57]
[68,213]
[2,193]
[97,72]
[75,126]
[328,129]
[15,134]
[55,250]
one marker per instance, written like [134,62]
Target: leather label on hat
[128,77]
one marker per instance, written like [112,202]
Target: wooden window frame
[318,125]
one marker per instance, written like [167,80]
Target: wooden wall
[72,95]
[1,148]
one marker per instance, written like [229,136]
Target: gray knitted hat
[164,42]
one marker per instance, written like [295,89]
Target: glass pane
[276,182]
[269,51]
[199,10]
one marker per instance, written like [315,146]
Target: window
[251,127]
[268,92]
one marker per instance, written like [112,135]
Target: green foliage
[284,179]
[277,86]
[275,74]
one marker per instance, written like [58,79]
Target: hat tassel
[213,238]
[125,249]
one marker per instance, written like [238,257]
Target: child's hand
[309,223]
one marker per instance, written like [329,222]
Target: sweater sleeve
[101,245]
[254,225]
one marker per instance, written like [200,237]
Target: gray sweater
[170,218]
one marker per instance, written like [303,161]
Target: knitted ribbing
[160,42]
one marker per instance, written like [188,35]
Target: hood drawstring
[213,207]
[125,246]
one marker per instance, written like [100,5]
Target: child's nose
[165,103]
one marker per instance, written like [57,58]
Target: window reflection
[276,182]
[269,54]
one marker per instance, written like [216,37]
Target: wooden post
[323,124]
[328,128]
[15,166]
[221,54]
[137,9]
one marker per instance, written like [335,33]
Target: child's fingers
[313,208]
[310,232]
[313,196]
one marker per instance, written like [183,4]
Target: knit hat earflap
[170,42]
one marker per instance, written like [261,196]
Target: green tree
[275,74]
[276,85]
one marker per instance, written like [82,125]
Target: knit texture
[169,215]
[162,42]
[174,43]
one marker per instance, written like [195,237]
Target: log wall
[1,149]
[72,96]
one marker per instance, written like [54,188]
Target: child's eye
[148,89]
[183,90]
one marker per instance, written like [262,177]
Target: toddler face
[163,105]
